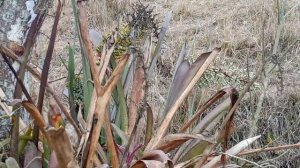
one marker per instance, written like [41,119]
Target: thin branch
[283,147]
[58,79]
[243,159]
[46,68]
[20,82]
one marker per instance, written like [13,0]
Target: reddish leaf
[149,125]
[54,115]
[136,94]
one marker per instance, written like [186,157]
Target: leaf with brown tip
[154,159]
[230,91]
[199,63]
[209,122]
[233,94]
[226,128]
[201,110]
[173,141]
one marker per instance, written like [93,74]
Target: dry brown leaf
[60,143]
[149,126]
[173,141]
[16,48]
[35,114]
[154,159]
[57,138]
[136,94]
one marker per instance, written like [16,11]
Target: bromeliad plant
[198,138]
[115,99]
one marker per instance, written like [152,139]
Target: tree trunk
[13,20]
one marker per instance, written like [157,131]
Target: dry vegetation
[244,29]
[252,34]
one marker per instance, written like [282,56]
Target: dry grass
[236,26]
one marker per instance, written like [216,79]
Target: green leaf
[71,80]
[120,100]
[23,142]
[87,76]
[4,142]
[11,163]
[120,133]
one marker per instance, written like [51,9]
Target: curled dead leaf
[154,159]
[16,48]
